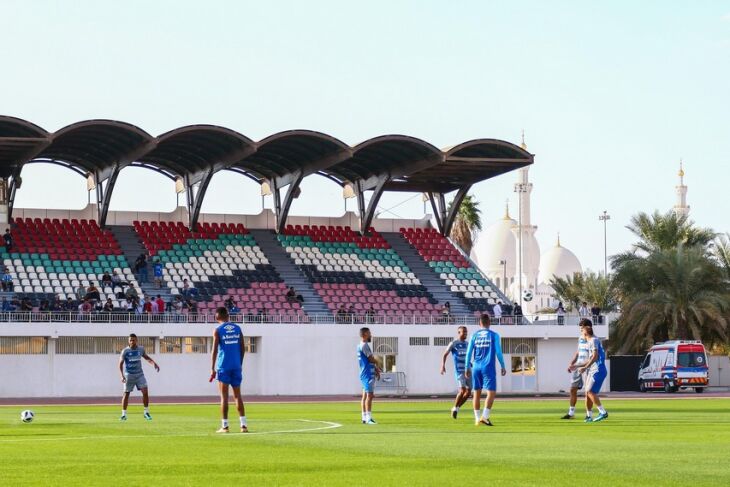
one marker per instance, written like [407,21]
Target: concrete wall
[265,219]
[719,369]
[289,360]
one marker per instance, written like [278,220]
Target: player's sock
[456,409]
[147,410]
[571,411]
[243,421]
[601,410]
[476,414]
[589,414]
[485,414]
[368,415]
[364,416]
[124,412]
[224,423]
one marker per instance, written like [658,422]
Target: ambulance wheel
[668,387]
[699,390]
[642,386]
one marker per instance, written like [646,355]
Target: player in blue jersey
[369,372]
[595,369]
[457,349]
[130,368]
[227,366]
[580,357]
[484,350]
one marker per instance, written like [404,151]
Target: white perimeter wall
[290,360]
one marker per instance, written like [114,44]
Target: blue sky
[610,94]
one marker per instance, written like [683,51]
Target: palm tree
[467,223]
[686,298]
[721,252]
[665,231]
[589,287]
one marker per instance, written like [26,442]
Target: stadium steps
[425,274]
[313,304]
[132,247]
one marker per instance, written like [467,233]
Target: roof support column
[367,214]
[445,218]
[282,209]
[197,198]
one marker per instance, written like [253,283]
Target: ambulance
[674,365]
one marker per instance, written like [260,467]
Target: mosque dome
[558,262]
[496,243]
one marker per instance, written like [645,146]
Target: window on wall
[385,350]
[418,341]
[23,345]
[441,341]
[251,344]
[99,345]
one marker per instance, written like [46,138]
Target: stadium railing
[118,317]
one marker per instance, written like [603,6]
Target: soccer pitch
[643,442]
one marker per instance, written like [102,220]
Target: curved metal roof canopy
[195,153]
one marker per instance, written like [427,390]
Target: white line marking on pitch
[328,426]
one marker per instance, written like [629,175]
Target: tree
[589,287]
[721,252]
[670,284]
[467,223]
[687,299]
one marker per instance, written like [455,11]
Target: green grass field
[644,442]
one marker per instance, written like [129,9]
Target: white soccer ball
[27,416]
[527,295]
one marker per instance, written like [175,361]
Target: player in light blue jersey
[595,369]
[369,372]
[457,349]
[130,367]
[484,350]
[580,357]
[227,366]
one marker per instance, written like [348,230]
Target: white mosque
[496,250]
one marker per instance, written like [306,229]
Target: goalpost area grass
[643,442]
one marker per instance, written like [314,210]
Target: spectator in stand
[106,279]
[177,305]
[131,293]
[351,314]
[263,315]
[507,314]
[86,307]
[293,297]
[7,281]
[69,305]
[25,304]
[192,306]
[57,305]
[108,306]
[560,311]
[229,303]
[370,315]
[160,304]
[446,312]
[92,293]
[80,293]
[7,306]
[341,316]
[124,305]
[44,305]
[186,288]
[117,282]
[140,267]
[583,310]
[147,306]
[8,237]
[596,313]
[497,313]
[157,273]
[518,314]
[138,306]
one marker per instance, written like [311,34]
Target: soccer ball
[527,295]
[27,416]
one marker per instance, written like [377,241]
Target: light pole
[604,218]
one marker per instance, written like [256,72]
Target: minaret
[681,208]
[524,231]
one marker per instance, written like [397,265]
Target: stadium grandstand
[183,266]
